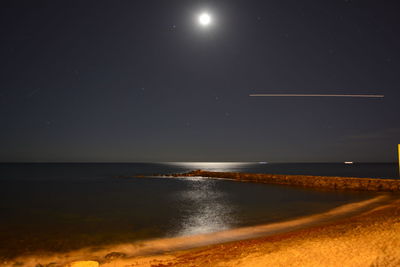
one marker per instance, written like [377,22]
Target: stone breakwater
[321,182]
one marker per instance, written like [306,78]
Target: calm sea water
[58,207]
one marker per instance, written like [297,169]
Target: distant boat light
[349,162]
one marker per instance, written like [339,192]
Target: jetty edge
[308,181]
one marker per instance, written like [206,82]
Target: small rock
[114,255]
[83,264]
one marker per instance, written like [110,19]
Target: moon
[204,19]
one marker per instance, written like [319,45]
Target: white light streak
[318,95]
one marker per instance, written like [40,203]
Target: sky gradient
[143,81]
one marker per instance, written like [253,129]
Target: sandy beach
[365,233]
[369,239]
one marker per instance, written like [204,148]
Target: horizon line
[129,162]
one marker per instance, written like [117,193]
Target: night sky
[143,81]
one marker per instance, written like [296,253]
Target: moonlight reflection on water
[212,211]
[212,166]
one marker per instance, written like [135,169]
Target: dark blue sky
[142,81]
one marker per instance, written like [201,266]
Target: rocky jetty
[321,182]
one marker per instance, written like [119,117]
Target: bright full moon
[204,19]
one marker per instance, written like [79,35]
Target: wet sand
[329,238]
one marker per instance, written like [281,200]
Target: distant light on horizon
[318,95]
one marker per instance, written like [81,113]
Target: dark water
[58,207]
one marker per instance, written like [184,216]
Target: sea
[58,207]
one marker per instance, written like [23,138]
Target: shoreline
[368,239]
[148,250]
